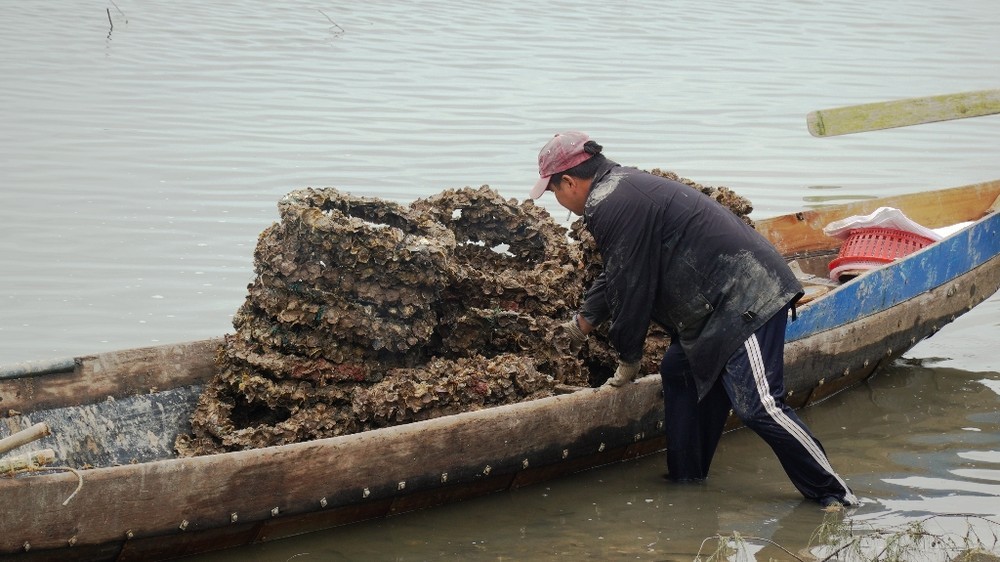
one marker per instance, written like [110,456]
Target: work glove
[576,335]
[624,374]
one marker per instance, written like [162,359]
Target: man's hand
[574,331]
[576,335]
[624,374]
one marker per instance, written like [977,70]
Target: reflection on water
[832,195]
[145,146]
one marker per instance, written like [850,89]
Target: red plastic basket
[869,247]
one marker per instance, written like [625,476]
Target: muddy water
[144,146]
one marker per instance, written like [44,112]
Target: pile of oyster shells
[365,313]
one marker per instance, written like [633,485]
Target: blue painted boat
[142,503]
[843,336]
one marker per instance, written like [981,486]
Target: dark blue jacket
[677,257]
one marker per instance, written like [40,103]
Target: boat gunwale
[827,311]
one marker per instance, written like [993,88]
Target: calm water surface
[144,146]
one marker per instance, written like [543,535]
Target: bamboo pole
[24,436]
[34,459]
[901,113]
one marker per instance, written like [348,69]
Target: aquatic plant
[842,539]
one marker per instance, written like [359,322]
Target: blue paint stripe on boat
[895,283]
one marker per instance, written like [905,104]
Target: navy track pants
[752,385]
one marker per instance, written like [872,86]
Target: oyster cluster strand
[365,313]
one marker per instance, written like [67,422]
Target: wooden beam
[902,113]
[24,436]
[28,461]
[36,368]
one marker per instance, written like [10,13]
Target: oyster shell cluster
[725,196]
[365,313]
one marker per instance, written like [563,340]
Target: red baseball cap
[561,153]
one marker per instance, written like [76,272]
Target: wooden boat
[120,412]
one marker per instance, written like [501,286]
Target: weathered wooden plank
[801,233]
[902,113]
[155,498]
[448,494]
[36,368]
[646,446]
[115,374]
[543,473]
[186,543]
[69,551]
[292,525]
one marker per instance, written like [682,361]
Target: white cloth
[946,231]
[883,217]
